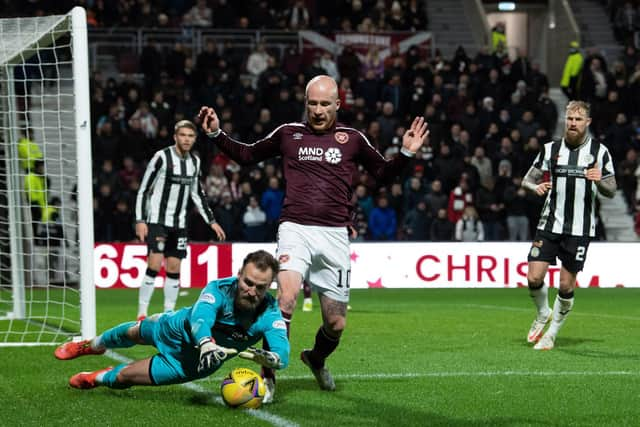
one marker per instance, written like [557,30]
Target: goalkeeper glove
[268,359]
[212,355]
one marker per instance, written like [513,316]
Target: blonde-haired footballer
[170,180]
[579,167]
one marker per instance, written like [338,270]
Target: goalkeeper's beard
[247,303]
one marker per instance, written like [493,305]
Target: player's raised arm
[210,122]
[386,170]
[415,136]
[238,151]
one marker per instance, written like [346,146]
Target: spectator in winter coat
[441,228]
[383,220]
[254,221]
[459,198]
[469,228]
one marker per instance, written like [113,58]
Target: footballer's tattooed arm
[531,181]
[607,186]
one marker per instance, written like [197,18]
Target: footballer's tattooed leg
[334,316]
[332,307]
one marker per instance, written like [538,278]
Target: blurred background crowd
[488,115]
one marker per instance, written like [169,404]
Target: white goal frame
[12,52]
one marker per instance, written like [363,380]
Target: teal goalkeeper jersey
[213,315]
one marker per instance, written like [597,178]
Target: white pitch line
[281,422]
[260,413]
[468,374]
[573,313]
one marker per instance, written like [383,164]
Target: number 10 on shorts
[344,280]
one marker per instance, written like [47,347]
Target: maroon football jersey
[318,168]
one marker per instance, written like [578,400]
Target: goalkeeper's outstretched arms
[277,357]
[268,359]
[212,355]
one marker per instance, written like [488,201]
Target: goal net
[46,204]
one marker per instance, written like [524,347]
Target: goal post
[47,292]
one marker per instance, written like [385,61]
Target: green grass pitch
[408,358]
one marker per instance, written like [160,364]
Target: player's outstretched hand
[209,119]
[212,355]
[416,136]
[268,359]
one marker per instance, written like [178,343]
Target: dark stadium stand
[156,62]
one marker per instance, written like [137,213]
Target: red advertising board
[384,265]
[122,265]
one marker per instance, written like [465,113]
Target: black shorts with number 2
[172,242]
[570,250]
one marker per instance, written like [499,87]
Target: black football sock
[324,346]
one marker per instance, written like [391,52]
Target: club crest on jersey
[589,158]
[283,258]
[341,137]
[297,136]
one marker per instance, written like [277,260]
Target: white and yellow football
[242,388]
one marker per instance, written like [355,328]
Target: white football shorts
[320,254]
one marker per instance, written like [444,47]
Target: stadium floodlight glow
[506,6]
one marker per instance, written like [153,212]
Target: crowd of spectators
[348,15]
[624,16]
[488,115]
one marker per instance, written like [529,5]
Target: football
[242,388]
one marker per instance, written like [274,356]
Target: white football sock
[171,289]
[144,297]
[540,298]
[561,309]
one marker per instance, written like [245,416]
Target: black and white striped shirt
[570,205]
[168,182]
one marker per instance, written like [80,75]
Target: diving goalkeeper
[229,316]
